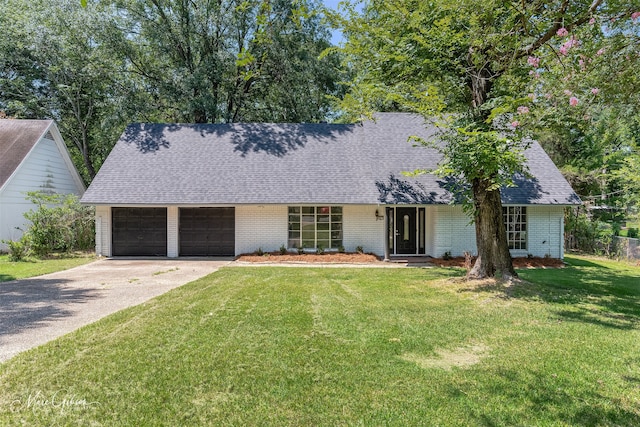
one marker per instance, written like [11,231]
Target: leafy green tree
[23,88]
[55,66]
[630,176]
[229,61]
[585,108]
[469,64]
[58,223]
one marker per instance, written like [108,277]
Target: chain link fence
[625,248]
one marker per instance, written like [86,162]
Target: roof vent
[49,136]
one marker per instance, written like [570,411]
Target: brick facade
[447,229]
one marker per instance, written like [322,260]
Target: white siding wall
[361,228]
[43,169]
[103,230]
[263,227]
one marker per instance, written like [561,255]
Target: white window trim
[522,243]
[315,222]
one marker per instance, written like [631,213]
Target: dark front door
[139,231]
[207,231]
[406,231]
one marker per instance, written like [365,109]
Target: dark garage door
[139,231]
[207,231]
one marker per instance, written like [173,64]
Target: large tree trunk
[481,83]
[494,258]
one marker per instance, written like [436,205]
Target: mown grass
[312,346]
[35,267]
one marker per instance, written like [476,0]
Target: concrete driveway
[37,310]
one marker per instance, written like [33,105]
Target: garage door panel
[139,231]
[207,231]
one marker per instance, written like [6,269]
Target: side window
[515,220]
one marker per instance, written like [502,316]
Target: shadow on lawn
[550,396]
[6,278]
[29,303]
[584,291]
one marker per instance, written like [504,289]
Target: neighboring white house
[227,189]
[33,157]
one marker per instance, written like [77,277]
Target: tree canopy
[227,61]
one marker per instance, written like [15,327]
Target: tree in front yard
[468,66]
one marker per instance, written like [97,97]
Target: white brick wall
[447,230]
[261,226]
[546,231]
[266,227]
[172,231]
[361,228]
[452,232]
[103,230]
[545,225]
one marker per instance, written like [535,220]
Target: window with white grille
[315,226]
[515,219]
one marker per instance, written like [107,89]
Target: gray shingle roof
[157,164]
[17,138]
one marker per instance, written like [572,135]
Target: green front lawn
[313,346]
[37,267]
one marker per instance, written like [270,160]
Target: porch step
[412,260]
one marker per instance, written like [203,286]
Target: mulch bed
[358,258]
[521,262]
[346,258]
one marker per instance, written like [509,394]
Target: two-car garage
[143,231]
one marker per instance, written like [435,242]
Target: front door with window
[406,231]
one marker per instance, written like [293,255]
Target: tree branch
[548,35]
